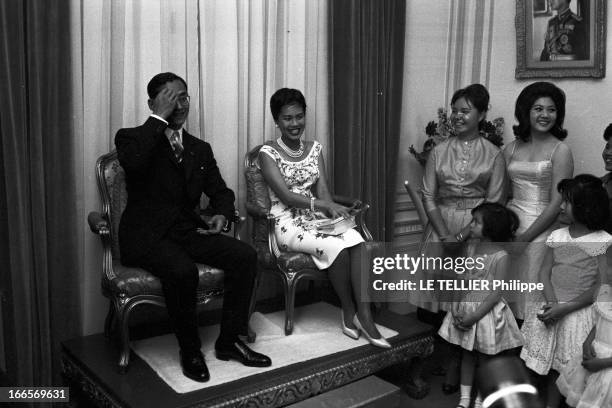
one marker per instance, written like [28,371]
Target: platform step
[369,392]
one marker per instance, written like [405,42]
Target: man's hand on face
[164,103]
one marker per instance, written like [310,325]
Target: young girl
[554,333]
[586,380]
[482,323]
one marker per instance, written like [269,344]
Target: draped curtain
[233,54]
[367,43]
[39,249]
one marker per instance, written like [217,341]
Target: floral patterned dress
[295,227]
[582,388]
[575,270]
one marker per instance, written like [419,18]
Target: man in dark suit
[166,171]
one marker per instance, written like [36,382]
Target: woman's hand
[551,313]
[469,320]
[465,321]
[335,210]
[588,352]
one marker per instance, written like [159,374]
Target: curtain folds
[42,280]
[367,43]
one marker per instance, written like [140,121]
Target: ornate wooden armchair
[127,287]
[290,267]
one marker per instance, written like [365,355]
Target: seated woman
[299,196]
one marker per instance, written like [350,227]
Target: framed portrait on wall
[568,40]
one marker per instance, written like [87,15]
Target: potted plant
[438,132]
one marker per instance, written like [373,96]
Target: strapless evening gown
[531,190]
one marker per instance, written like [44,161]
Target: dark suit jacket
[163,194]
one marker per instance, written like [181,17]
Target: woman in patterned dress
[295,173]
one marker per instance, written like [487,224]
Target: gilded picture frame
[562,44]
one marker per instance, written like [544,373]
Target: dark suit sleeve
[135,146]
[221,197]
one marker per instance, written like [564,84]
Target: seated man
[166,171]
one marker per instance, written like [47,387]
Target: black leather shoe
[240,352]
[194,366]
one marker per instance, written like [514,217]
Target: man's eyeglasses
[183,100]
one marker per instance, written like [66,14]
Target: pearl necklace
[293,153]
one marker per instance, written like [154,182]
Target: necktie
[177,147]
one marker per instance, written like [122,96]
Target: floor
[397,375]
[436,398]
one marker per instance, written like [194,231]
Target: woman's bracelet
[312,207]
[459,237]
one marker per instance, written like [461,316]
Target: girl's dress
[531,190]
[459,176]
[582,388]
[295,228]
[575,270]
[497,330]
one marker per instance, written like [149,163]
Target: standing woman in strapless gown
[537,161]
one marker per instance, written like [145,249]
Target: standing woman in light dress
[295,173]
[537,161]
[461,173]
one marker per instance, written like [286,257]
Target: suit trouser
[173,261]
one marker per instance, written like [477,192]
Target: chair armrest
[272,244]
[238,222]
[361,223]
[98,223]
[347,201]
[360,217]
[256,211]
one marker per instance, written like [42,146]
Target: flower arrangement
[438,132]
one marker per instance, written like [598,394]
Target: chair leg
[110,319]
[251,335]
[290,285]
[123,314]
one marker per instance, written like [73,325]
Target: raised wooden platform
[89,369]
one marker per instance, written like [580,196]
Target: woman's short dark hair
[608,132]
[476,95]
[286,96]
[524,103]
[158,81]
[499,222]
[589,199]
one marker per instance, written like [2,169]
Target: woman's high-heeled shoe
[352,333]
[380,342]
